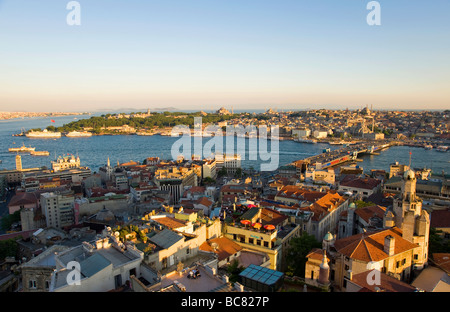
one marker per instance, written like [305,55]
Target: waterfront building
[18,163]
[230,162]
[320,176]
[320,134]
[301,133]
[396,169]
[65,162]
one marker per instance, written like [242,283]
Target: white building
[320,134]
[230,162]
[301,133]
[101,266]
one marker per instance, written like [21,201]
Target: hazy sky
[204,54]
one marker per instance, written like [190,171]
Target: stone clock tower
[411,219]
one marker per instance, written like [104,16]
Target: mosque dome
[105,215]
[328,237]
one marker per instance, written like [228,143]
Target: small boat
[428,146]
[442,148]
[22,149]
[39,153]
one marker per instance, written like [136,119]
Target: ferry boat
[22,149]
[44,134]
[39,153]
[442,148]
[78,134]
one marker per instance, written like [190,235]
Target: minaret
[324,269]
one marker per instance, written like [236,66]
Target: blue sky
[204,54]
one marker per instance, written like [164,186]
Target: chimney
[389,245]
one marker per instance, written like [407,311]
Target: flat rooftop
[205,283]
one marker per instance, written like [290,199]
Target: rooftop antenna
[410,159]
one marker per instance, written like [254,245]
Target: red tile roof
[370,246]
[225,247]
[440,218]
[363,183]
[325,205]
[204,201]
[23,198]
[366,213]
[387,283]
[442,260]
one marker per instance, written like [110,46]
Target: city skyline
[199,55]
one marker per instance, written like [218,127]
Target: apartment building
[58,209]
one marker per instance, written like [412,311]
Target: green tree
[297,251]
[234,269]
[8,220]
[222,172]
[437,243]
[361,204]
[209,181]
[238,173]
[8,248]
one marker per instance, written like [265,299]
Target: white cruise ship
[78,134]
[44,134]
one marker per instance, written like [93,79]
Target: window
[347,267]
[251,240]
[47,285]
[266,244]
[398,264]
[258,242]
[32,284]
[416,257]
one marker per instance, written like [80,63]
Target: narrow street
[4,208]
